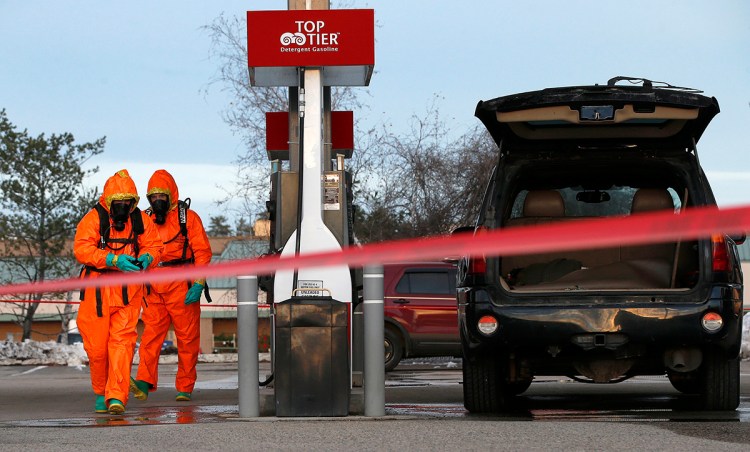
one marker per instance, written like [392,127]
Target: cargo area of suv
[606,314]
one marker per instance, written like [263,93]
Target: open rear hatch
[669,116]
[586,167]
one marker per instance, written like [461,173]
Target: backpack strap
[103,225]
[104,240]
[137,222]
[182,208]
[207,293]
[205,290]
[86,270]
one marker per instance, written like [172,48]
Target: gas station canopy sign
[341,41]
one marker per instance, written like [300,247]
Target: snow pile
[50,353]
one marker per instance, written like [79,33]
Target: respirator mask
[160,207]
[120,212]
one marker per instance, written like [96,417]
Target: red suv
[420,311]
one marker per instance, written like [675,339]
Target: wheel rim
[388,350]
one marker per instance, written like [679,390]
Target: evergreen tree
[243,228]
[219,227]
[42,198]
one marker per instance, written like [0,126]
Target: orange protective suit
[166,302]
[106,319]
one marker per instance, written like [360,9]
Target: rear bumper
[649,326]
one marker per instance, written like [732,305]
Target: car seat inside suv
[543,203]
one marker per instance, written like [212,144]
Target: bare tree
[425,183]
[405,184]
[245,115]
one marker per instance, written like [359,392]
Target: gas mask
[160,207]
[120,212]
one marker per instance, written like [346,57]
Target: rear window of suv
[427,282]
[580,202]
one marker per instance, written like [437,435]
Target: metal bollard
[374,366]
[247,346]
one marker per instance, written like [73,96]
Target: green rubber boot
[183,397]
[139,388]
[100,405]
[116,407]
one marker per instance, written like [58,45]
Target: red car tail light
[478,264]
[719,253]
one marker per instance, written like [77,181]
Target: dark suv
[420,311]
[600,315]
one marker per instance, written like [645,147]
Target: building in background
[218,319]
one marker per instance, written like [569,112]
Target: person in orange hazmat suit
[177,302]
[114,236]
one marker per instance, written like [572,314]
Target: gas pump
[311,344]
[310,205]
[336,180]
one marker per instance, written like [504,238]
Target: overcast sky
[134,71]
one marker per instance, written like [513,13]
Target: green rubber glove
[145,260]
[194,293]
[126,263]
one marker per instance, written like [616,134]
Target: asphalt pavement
[51,408]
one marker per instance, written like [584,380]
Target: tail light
[720,253]
[478,264]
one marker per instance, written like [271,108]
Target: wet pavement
[641,399]
[51,408]
[418,389]
[144,416]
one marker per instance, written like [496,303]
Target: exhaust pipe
[683,359]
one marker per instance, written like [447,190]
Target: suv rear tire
[482,392]
[721,381]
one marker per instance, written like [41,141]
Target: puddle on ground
[143,416]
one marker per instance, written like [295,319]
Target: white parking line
[29,371]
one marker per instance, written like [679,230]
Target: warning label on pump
[331,192]
[308,288]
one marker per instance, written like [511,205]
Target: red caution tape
[203,305]
[584,234]
[40,301]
